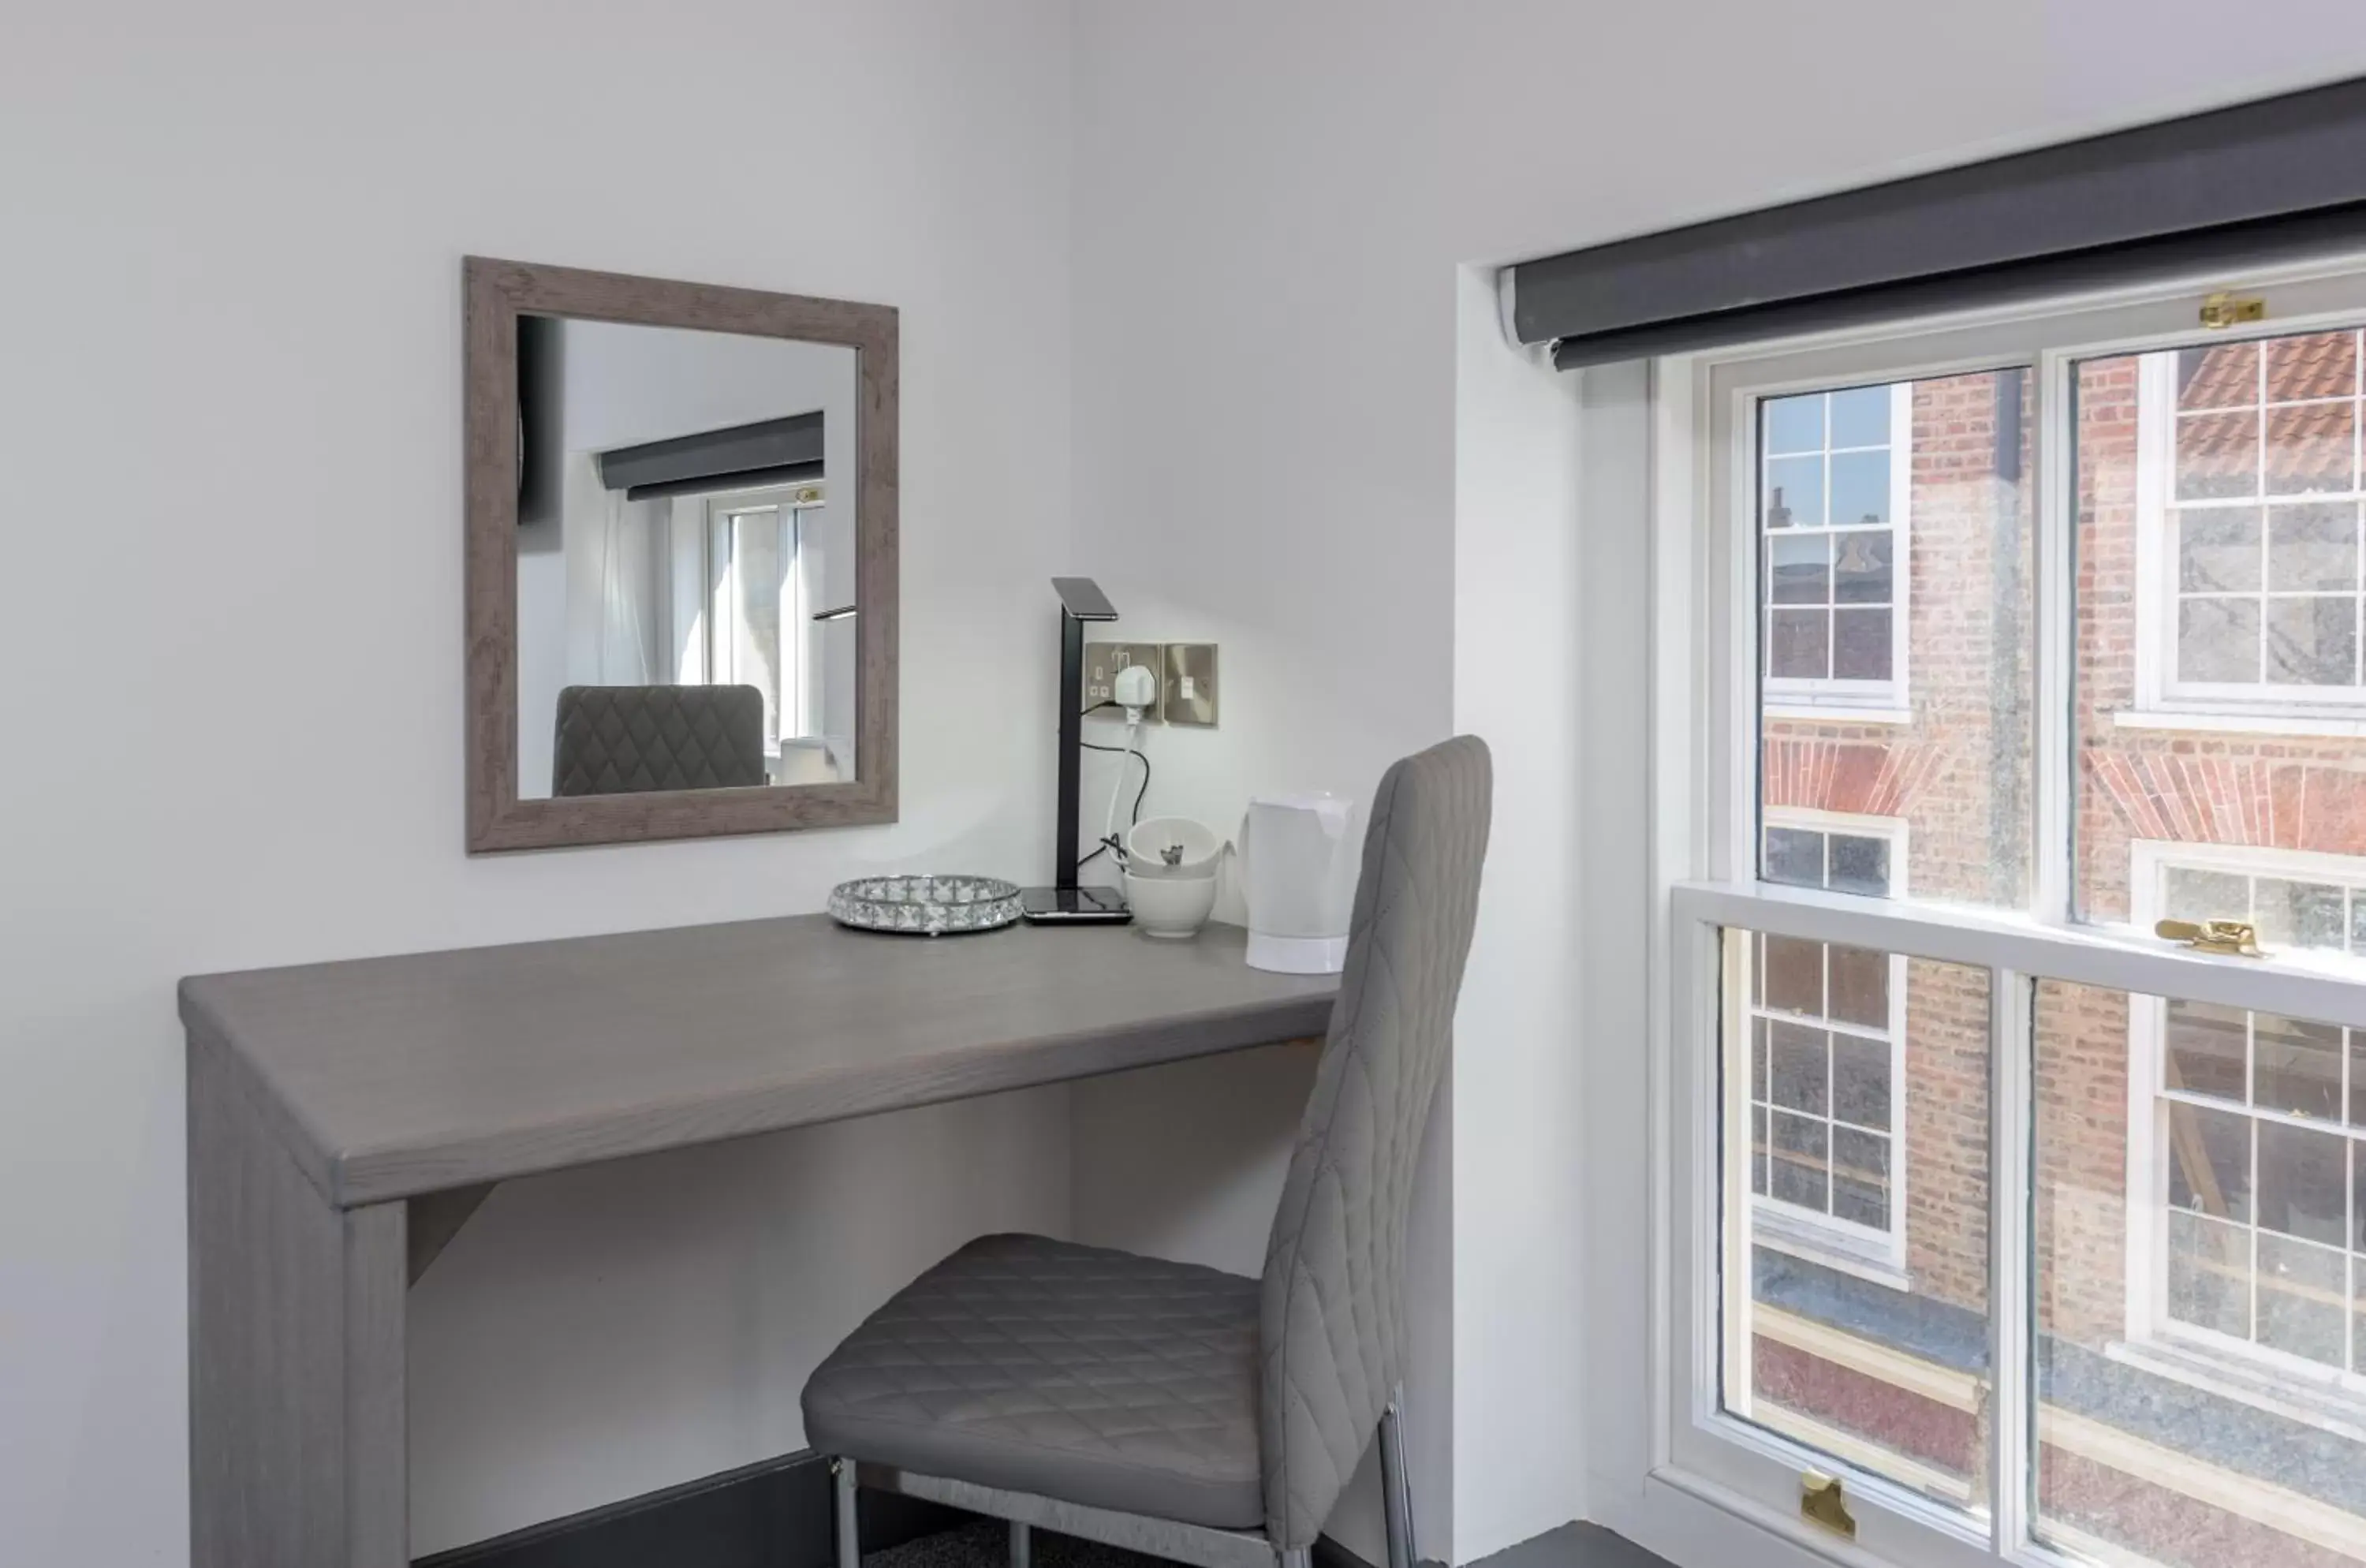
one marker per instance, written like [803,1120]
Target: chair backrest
[624,739]
[1331,1324]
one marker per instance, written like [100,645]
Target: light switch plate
[1188,683]
[1103,660]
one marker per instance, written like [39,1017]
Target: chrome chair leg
[849,1546]
[1022,1545]
[1396,1492]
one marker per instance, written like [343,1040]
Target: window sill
[2193,722]
[1778,1231]
[1821,713]
[2327,1408]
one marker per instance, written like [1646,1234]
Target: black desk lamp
[1064,902]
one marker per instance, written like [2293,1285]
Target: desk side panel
[293,1420]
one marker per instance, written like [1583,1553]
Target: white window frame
[1703,767]
[2257,1374]
[1858,701]
[1828,1239]
[703,602]
[2163,702]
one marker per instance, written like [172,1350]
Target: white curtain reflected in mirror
[686,590]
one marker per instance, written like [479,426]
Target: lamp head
[1081,599]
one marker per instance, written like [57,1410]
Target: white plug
[1135,689]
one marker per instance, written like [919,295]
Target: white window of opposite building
[1835,472]
[2249,1160]
[1826,1036]
[2251,580]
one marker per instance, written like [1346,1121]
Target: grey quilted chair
[625,740]
[1174,1409]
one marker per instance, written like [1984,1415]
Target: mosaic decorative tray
[925,906]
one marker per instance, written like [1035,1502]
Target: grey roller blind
[770,451]
[2259,181]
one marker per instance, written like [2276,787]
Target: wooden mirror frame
[496,294]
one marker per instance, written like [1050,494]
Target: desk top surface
[393,1076]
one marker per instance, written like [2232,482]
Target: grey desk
[346,1120]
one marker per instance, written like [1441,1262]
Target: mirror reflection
[686,605]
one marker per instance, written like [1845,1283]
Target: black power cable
[1108,843]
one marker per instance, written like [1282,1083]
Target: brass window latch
[2239,939]
[2223,309]
[1823,1501]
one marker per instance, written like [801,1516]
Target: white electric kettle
[1298,868]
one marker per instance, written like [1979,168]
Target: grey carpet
[987,1544]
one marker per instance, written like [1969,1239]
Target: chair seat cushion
[1076,1373]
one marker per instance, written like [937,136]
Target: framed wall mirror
[681,559]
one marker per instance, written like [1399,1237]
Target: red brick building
[2201,1215]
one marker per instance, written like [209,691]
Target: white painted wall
[1280,381]
[231,309]
[1521,1257]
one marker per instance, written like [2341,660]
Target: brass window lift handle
[1824,1501]
[2237,938]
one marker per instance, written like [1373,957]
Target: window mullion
[2011,1445]
[2054,463]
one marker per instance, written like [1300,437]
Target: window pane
[1795,856]
[2198,1371]
[1858,980]
[1800,645]
[2299,1067]
[1799,569]
[2223,375]
[1861,1078]
[2309,449]
[2218,640]
[2218,550]
[1800,1066]
[2313,641]
[2218,456]
[2303,1298]
[2209,1281]
[1859,864]
[757,564]
[1861,567]
[2208,1050]
[1863,1332]
[2303,1182]
[1860,485]
[1861,646]
[2311,549]
[1895,571]
[1792,975]
[1795,424]
[1795,493]
[2313,364]
[2209,1160]
[1861,417]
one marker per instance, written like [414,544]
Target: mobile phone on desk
[1074,905]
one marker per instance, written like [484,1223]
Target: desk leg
[297,1443]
